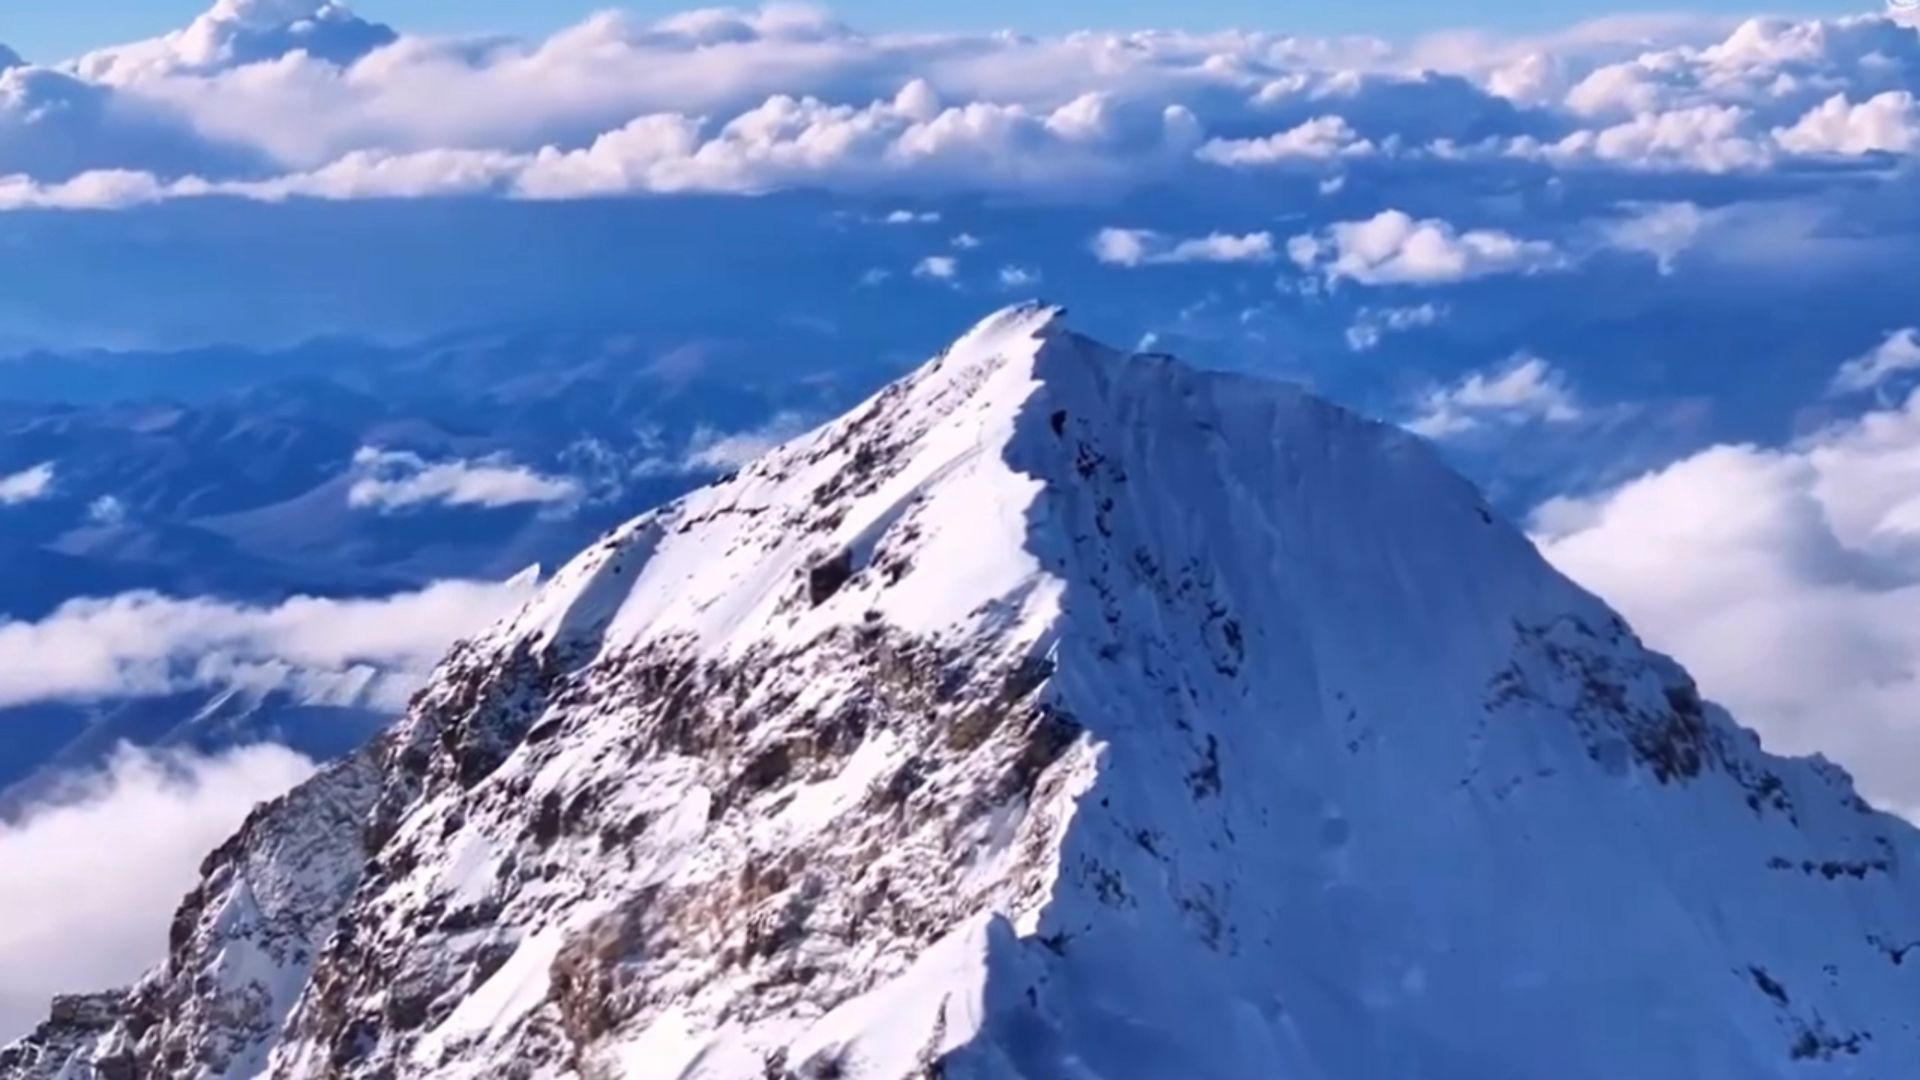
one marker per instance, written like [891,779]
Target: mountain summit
[1057,713]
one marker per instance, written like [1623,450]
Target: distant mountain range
[228,472]
[347,469]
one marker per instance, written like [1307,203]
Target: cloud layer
[274,100]
[1786,579]
[144,644]
[394,480]
[92,882]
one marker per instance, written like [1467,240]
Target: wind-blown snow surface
[1056,714]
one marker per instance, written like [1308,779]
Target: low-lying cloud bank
[276,100]
[91,883]
[143,644]
[1786,578]
[392,480]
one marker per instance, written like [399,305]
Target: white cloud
[1372,325]
[1702,138]
[235,33]
[1898,354]
[1393,248]
[965,241]
[1527,389]
[1777,66]
[937,268]
[396,479]
[1018,277]
[92,882]
[1660,230]
[911,217]
[307,96]
[713,451]
[1885,123]
[106,510]
[27,485]
[786,141]
[1785,579]
[106,189]
[1319,139]
[1144,247]
[143,644]
[268,100]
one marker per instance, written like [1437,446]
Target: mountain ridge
[1055,713]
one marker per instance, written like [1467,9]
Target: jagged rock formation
[1057,713]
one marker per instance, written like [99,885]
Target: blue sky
[55,31]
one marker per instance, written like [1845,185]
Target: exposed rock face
[1057,713]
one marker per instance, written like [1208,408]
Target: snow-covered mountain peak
[1055,713]
[925,502]
[822,503]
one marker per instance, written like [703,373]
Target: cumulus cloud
[92,880]
[1708,138]
[1898,354]
[1777,66]
[1527,389]
[1394,248]
[1090,142]
[106,510]
[396,480]
[592,78]
[1144,247]
[54,126]
[1320,139]
[1885,123]
[1785,578]
[1018,277]
[273,99]
[1772,87]
[27,485]
[236,33]
[937,268]
[1660,230]
[1372,325]
[143,644]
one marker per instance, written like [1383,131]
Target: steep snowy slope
[1056,714]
